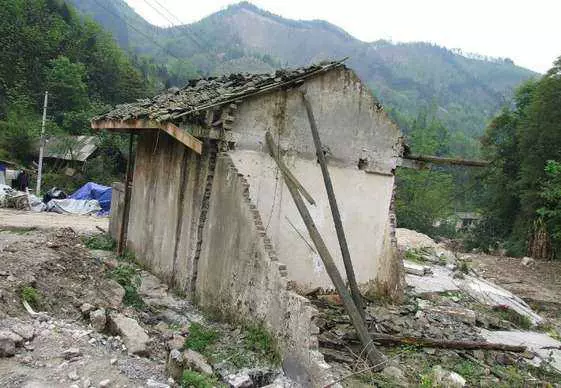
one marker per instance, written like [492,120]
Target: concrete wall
[352,125]
[167,197]
[241,277]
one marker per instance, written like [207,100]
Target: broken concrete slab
[457,313]
[98,319]
[491,294]
[543,345]
[113,293]
[134,336]
[415,269]
[441,280]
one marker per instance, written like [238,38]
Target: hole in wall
[362,163]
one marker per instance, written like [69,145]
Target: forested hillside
[407,77]
[47,46]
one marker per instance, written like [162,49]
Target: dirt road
[21,219]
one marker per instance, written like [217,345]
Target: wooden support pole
[374,355]
[357,297]
[121,245]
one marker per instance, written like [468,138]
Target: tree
[65,82]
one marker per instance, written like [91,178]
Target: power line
[181,25]
[137,30]
[159,12]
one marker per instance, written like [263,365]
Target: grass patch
[192,379]
[102,242]
[127,277]
[127,256]
[259,340]
[464,267]
[31,296]
[200,337]
[508,314]
[415,256]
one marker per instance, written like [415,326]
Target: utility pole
[42,146]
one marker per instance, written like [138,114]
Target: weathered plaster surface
[241,277]
[168,185]
[352,125]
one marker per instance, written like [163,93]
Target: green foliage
[521,184]
[101,241]
[192,379]
[200,337]
[258,339]
[127,276]
[508,314]
[31,296]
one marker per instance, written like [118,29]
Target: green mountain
[463,91]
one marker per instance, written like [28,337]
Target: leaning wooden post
[126,210]
[375,357]
[334,210]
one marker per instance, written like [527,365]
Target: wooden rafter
[135,126]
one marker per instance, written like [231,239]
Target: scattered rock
[134,336]
[98,319]
[113,293]
[18,341]
[113,361]
[24,330]
[239,380]
[175,364]
[104,383]
[73,375]
[7,347]
[457,313]
[196,361]
[71,353]
[154,384]
[395,375]
[176,342]
[86,308]
[87,383]
[447,379]
[527,261]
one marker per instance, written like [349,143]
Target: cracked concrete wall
[353,126]
[241,278]
[167,194]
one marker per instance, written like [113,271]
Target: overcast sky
[527,31]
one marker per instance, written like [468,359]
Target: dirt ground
[13,219]
[44,259]
[538,284]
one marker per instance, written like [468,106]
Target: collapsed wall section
[240,277]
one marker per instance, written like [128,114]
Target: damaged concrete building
[209,211]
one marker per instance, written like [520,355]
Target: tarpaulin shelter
[95,191]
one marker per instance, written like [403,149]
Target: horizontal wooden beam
[173,130]
[445,161]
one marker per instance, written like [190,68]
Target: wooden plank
[376,358]
[357,297]
[183,137]
[174,131]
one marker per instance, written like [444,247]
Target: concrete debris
[176,342]
[457,313]
[73,375]
[240,380]
[447,379]
[86,308]
[134,336]
[492,295]
[416,269]
[98,319]
[527,261]
[196,361]
[104,383]
[155,384]
[113,293]
[541,344]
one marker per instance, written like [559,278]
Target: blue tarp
[92,190]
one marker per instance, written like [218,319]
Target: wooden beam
[183,137]
[174,131]
[446,161]
[376,358]
[351,278]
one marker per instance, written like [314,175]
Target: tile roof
[201,94]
